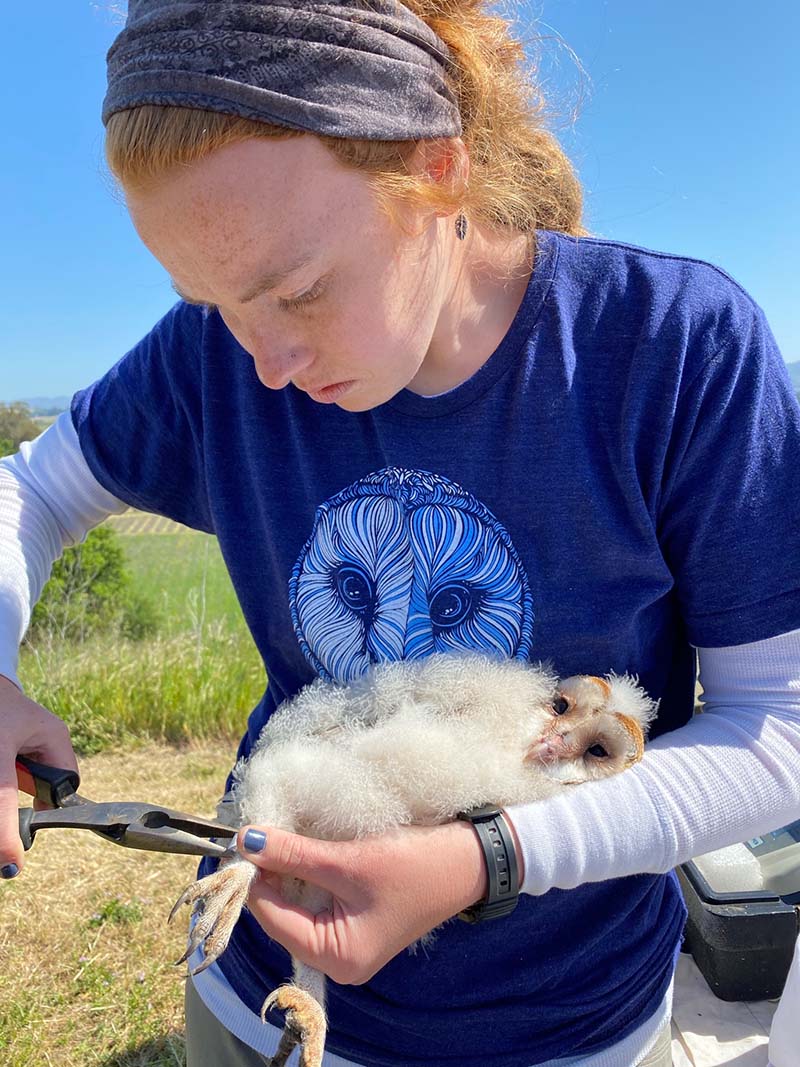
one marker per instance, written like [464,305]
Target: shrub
[16,425]
[141,617]
[91,590]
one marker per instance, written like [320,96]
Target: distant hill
[47,405]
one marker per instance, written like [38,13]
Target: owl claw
[304,1025]
[185,898]
[195,940]
[218,900]
[208,959]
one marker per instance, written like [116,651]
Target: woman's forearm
[731,773]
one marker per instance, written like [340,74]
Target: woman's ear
[443,160]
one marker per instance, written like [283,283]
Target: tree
[16,425]
[91,589]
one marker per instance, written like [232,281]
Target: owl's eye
[452,605]
[560,706]
[597,750]
[355,589]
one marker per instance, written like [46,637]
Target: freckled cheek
[379,327]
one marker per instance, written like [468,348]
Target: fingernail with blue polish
[11,870]
[254,840]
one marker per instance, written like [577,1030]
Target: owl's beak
[548,749]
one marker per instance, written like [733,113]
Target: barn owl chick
[412,742]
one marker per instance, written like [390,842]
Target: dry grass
[87,977]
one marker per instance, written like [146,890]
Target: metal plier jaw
[128,823]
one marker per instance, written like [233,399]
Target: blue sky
[686,140]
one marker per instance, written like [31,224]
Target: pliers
[127,823]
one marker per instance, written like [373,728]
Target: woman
[480,429]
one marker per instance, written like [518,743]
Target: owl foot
[218,900]
[304,1025]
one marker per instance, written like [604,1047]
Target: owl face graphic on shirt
[401,564]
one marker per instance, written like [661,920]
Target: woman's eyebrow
[267,281]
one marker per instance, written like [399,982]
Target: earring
[461,226]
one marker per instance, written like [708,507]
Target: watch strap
[500,855]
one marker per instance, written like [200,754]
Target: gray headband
[347,68]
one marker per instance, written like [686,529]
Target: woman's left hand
[387,890]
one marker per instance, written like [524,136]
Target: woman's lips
[330,393]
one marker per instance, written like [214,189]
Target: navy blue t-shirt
[620,481]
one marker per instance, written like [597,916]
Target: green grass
[110,691]
[199,677]
[118,911]
[185,576]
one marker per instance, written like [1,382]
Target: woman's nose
[277,359]
[276,368]
[277,352]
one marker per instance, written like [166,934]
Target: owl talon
[192,945]
[290,1039]
[184,898]
[304,1025]
[218,900]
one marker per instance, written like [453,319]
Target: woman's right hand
[27,729]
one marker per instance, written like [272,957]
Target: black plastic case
[742,942]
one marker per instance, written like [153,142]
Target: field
[198,678]
[141,522]
[181,570]
[88,979]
